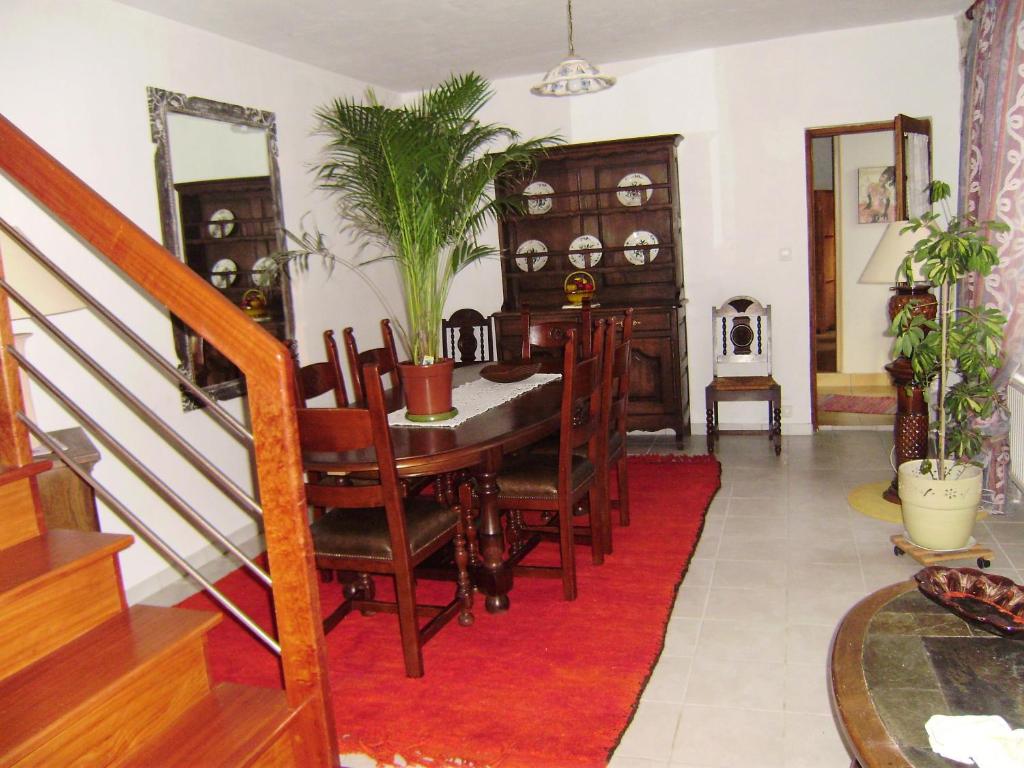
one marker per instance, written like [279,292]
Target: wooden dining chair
[467,338]
[386,357]
[371,528]
[555,492]
[549,337]
[315,379]
[614,407]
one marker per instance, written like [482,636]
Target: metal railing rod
[168,493]
[216,409]
[149,534]
[224,482]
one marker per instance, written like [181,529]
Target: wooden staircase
[87,680]
[84,678]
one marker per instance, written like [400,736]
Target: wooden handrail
[267,366]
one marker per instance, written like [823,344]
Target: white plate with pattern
[264,272]
[585,243]
[222,223]
[532,246]
[538,205]
[224,273]
[634,197]
[638,244]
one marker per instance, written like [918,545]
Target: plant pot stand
[902,545]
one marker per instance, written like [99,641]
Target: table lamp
[38,286]
[910,430]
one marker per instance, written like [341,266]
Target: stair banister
[267,367]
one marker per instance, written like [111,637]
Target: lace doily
[476,397]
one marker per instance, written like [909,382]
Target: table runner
[476,397]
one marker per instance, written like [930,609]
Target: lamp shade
[883,267]
[31,280]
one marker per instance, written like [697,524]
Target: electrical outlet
[787,411]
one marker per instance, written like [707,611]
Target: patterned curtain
[991,177]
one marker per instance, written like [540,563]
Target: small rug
[858,404]
[867,499]
[549,684]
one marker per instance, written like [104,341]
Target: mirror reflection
[219,193]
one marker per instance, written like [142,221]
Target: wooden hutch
[611,209]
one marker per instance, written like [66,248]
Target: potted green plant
[959,351]
[418,180]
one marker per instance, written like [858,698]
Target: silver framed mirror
[219,193]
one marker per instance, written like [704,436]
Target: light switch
[785,254]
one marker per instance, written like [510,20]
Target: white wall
[76,78]
[743,111]
[864,347]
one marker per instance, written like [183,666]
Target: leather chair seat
[536,477]
[363,532]
[549,446]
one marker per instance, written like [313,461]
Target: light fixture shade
[883,267]
[33,281]
[573,77]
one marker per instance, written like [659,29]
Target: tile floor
[742,680]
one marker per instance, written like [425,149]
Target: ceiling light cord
[572,48]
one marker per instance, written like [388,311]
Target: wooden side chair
[467,338]
[615,391]
[315,379]
[386,357]
[742,338]
[372,529]
[558,491]
[549,337]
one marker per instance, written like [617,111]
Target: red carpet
[858,404]
[549,684]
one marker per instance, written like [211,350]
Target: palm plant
[965,341]
[418,181]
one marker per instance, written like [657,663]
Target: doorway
[847,318]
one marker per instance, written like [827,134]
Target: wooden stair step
[54,588]
[234,725]
[20,520]
[108,690]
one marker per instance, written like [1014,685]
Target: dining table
[478,445]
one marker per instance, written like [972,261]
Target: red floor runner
[547,684]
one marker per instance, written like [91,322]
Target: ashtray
[506,373]
[994,602]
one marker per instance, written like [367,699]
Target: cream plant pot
[940,514]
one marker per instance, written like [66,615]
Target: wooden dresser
[610,209]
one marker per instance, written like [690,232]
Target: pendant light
[574,76]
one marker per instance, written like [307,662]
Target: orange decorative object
[579,286]
[254,304]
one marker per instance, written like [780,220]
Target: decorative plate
[585,243]
[264,272]
[532,246]
[511,371]
[638,244]
[222,223]
[994,602]
[224,273]
[538,205]
[633,197]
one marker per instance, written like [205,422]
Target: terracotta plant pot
[940,514]
[428,390]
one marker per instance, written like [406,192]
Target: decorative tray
[994,602]
[506,373]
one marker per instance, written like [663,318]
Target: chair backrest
[742,337]
[615,376]
[553,333]
[467,338]
[580,420]
[315,379]
[337,430]
[384,358]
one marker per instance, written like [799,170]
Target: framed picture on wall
[876,194]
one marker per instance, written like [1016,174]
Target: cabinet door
[651,375]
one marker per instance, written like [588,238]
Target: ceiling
[408,45]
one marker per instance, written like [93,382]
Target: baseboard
[788,428]
[170,586]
